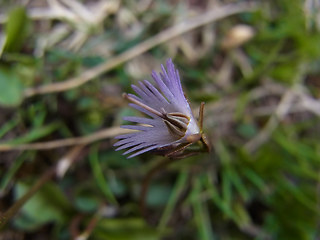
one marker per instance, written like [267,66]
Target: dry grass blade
[180,28]
[103,134]
[280,112]
[283,108]
[67,160]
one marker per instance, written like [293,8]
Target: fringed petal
[167,97]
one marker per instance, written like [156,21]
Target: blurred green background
[64,66]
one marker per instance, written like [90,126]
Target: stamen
[178,119]
[146,107]
[173,129]
[177,123]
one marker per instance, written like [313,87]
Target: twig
[180,28]
[67,160]
[280,112]
[310,104]
[102,134]
[90,227]
[255,232]
[146,182]
[44,178]
[4,218]
[75,225]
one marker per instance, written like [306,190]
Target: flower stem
[146,182]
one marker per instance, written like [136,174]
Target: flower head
[170,122]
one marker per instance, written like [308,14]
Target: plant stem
[5,217]
[147,180]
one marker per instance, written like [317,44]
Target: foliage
[261,179]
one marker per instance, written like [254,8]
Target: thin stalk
[146,182]
[5,217]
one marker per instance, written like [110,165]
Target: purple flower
[170,123]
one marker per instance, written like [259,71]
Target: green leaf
[98,175]
[241,106]
[8,126]
[173,199]
[35,134]
[247,130]
[87,203]
[9,174]
[47,205]
[92,61]
[16,29]
[217,199]
[158,194]
[201,215]
[253,177]
[238,184]
[123,229]
[10,88]
[242,217]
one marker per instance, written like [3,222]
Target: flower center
[177,123]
